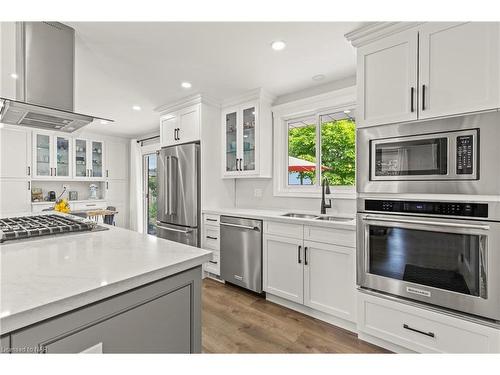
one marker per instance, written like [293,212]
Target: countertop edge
[12,323]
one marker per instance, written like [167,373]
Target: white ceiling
[120,64]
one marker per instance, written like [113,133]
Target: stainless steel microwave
[446,156]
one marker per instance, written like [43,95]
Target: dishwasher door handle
[241,226]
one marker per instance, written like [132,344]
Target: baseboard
[212,276]
[384,344]
[339,322]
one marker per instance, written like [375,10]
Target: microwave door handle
[428,223]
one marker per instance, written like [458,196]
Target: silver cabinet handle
[423,97]
[212,237]
[305,256]
[29,170]
[428,223]
[298,254]
[208,219]
[240,226]
[430,334]
[186,231]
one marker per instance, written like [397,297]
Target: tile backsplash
[82,187]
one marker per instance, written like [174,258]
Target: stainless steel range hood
[45,57]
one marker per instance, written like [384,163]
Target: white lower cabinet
[315,274]
[329,279]
[283,267]
[14,196]
[210,240]
[421,330]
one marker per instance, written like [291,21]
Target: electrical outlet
[257,193]
[66,186]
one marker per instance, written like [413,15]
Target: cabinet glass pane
[249,139]
[231,143]
[42,155]
[97,159]
[80,158]
[62,156]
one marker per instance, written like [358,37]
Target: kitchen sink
[334,218]
[300,216]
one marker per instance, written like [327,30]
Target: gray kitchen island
[113,291]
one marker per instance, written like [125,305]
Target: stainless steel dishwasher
[241,252]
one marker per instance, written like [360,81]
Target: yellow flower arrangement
[62,205]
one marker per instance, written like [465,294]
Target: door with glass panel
[231,144]
[62,156]
[97,159]
[150,192]
[247,158]
[81,158]
[42,155]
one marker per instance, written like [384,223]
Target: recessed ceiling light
[347,111]
[104,122]
[186,85]
[14,76]
[318,77]
[136,107]
[278,45]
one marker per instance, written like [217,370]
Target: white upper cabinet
[51,155]
[459,68]
[181,126]
[387,80]
[117,160]
[430,70]
[14,153]
[88,157]
[247,137]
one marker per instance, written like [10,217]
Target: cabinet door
[14,196]
[117,196]
[62,156]
[387,80]
[43,154]
[97,158]
[117,160]
[459,68]
[168,130]
[329,279]
[189,124]
[81,158]
[14,153]
[283,268]
[248,138]
[230,137]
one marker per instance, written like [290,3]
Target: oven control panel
[429,208]
[465,154]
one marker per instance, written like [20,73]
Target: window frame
[336,101]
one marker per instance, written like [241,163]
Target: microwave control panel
[429,208]
[465,154]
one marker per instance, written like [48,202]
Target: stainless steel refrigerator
[178,217]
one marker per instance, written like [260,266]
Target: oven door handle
[428,223]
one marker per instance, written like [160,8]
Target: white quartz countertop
[277,215]
[50,275]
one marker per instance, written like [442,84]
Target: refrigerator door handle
[186,231]
[172,184]
[166,178]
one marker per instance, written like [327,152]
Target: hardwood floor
[238,321]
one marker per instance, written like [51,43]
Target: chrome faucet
[325,189]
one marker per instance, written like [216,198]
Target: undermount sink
[334,218]
[300,216]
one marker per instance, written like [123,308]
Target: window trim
[335,101]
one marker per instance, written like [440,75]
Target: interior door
[387,80]
[458,68]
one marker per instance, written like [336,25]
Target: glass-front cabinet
[240,139]
[52,155]
[88,158]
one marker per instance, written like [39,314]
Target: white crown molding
[377,30]
[186,102]
[258,93]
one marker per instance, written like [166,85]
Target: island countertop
[46,276]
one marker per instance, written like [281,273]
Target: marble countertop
[277,215]
[47,276]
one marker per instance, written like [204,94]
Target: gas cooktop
[40,225]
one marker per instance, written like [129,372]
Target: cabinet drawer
[211,219]
[340,237]
[211,237]
[284,229]
[88,205]
[213,266]
[422,330]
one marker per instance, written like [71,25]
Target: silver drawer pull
[240,226]
[430,334]
[211,261]
[208,219]
[212,238]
